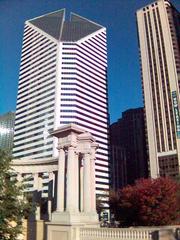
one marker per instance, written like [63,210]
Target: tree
[13,205]
[150,202]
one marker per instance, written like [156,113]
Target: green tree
[13,204]
[150,202]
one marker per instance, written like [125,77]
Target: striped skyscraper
[159,42]
[63,79]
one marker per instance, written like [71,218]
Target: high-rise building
[159,43]
[128,149]
[62,79]
[7,131]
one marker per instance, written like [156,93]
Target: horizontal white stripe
[44,148]
[29,101]
[31,40]
[34,85]
[23,148]
[84,93]
[35,126]
[36,109]
[35,115]
[101,74]
[96,46]
[82,85]
[39,63]
[75,114]
[34,43]
[37,51]
[44,88]
[97,84]
[102,106]
[31,139]
[89,50]
[90,61]
[39,155]
[85,112]
[79,105]
[85,123]
[37,55]
[38,43]
[33,73]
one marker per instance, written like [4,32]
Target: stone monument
[76,198]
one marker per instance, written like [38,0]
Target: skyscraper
[128,149]
[63,79]
[159,43]
[7,131]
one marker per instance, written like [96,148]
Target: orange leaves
[150,202]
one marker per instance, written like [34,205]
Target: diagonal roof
[78,28]
[55,25]
[50,23]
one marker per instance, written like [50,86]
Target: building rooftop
[61,29]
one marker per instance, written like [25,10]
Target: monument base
[66,226]
[76,218]
[57,231]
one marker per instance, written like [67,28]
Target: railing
[115,233]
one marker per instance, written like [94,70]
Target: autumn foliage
[150,202]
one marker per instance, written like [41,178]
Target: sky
[118,16]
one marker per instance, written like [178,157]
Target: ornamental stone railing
[138,233]
[115,233]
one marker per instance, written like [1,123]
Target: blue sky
[118,16]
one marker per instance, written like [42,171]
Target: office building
[7,131]
[159,43]
[62,79]
[128,149]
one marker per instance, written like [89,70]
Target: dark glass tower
[7,131]
[128,149]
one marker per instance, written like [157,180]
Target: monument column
[76,182]
[81,185]
[61,177]
[37,194]
[50,194]
[93,185]
[71,205]
[87,183]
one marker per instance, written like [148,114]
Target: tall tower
[159,43]
[63,79]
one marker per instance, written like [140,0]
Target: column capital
[76,151]
[95,145]
[60,147]
[71,145]
[85,153]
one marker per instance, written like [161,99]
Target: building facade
[159,43]
[62,80]
[7,131]
[128,149]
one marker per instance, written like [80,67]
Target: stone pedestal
[62,232]
[75,218]
[66,226]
